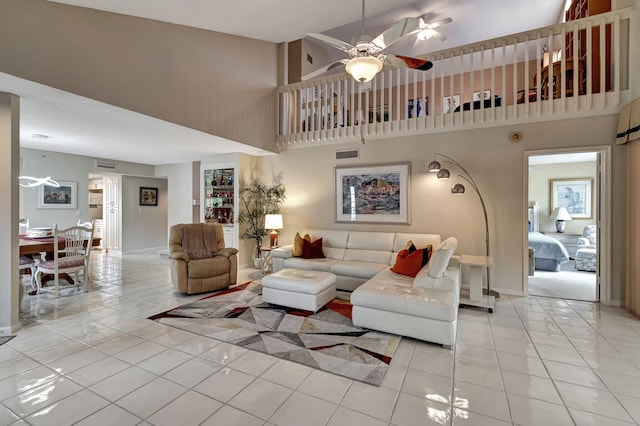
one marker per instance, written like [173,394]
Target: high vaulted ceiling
[270,20]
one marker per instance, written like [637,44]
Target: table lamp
[560,214]
[273,222]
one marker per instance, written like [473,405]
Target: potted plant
[258,200]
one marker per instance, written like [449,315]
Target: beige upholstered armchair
[199,260]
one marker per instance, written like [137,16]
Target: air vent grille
[342,155]
[106,164]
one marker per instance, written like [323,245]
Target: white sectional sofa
[424,307]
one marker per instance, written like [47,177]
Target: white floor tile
[632,405]
[76,360]
[151,397]
[261,399]
[522,364]
[315,411]
[25,381]
[478,373]
[196,345]
[441,365]
[7,417]
[110,415]
[224,384]
[583,418]
[164,361]
[533,412]
[192,372]
[229,416]
[481,400]
[463,417]
[254,363]
[344,416]
[429,386]
[42,396]
[140,352]
[224,353]
[287,373]
[98,371]
[592,400]
[120,384]
[583,376]
[69,410]
[191,408]
[370,400]
[326,386]
[530,386]
[411,410]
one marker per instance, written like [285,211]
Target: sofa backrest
[334,242]
[369,246]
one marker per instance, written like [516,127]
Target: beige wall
[212,82]
[495,163]
[539,190]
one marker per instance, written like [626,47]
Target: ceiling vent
[106,164]
[343,155]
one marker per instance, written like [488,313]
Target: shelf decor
[576,195]
[378,193]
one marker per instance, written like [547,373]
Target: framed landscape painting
[373,194]
[576,195]
[63,197]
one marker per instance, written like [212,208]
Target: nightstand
[569,241]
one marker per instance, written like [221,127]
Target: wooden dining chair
[71,251]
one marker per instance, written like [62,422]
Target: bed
[549,253]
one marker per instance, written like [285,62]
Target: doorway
[567,211]
[104,209]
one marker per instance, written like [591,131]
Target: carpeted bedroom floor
[565,284]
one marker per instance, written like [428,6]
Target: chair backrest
[77,243]
[88,224]
[23,225]
[589,232]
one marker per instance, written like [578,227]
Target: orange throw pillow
[409,262]
[297,244]
[312,250]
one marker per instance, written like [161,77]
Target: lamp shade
[434,166]
[560,213]
[273,221]
[364,68]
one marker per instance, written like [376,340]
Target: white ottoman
[295,288]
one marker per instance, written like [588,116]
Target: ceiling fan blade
[396,32]
[438,35]
[438,23]
[407,62]
[324,69]
[334,42]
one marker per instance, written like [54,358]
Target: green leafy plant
[258,200]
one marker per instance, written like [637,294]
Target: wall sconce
[459,189]
[273,222]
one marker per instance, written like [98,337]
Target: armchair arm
[179,255]
[227,251]
[584,242]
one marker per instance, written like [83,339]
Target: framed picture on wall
[576,195]
[418,107]
[374,194]
[63,197]
[450,103]
[148,196]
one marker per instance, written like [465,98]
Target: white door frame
[603,277]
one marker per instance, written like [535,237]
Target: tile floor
[94,359]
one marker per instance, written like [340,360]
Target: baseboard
[617,303]
[10,330]
[150,250]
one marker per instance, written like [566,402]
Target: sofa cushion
[376,256]
[357,269]
[297,243]
[334,239]
[410,261]
[440,259]
[447,282]
[309,264]
[379,241]
[312,249]
[387,293]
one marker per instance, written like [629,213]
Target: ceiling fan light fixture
[425,34]
[364,68]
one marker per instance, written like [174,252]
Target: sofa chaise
[424,307]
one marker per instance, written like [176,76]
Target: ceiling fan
[366,55]
[428,28]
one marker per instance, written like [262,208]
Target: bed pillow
[410,261]
[312,249]
[297,244]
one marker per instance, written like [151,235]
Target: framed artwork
[63,197]
[148,196]
[373,194]
[480,96]
[576,195]
[417,107]
[380,114]
[450,103]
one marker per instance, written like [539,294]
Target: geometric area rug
[5,339]
[326,340]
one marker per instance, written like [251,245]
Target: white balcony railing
[491,83]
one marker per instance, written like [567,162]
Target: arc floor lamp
[459,189]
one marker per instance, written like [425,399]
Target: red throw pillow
[312,249]
[409,262]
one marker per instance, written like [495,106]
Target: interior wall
[179,195]
[494,162]
[212,82]
[143,227]
[540,176]
[65,167]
